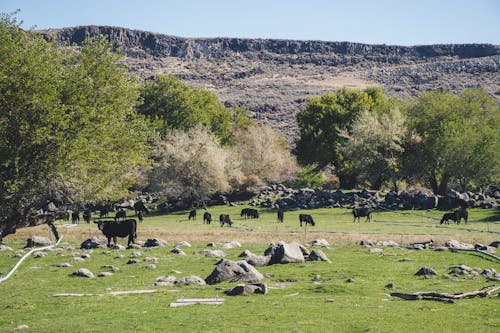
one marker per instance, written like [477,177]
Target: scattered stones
[191,279]
[155,242]
[234,271]
[319,242]
[111,267]
[454,244]
[153,260]
[104,274]
[241,289]
[118,247]
[426,271]
[83,272]
[151,266]
[136,254]
[85,256]
[39,254]
[132,261]
[231,245]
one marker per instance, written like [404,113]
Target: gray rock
[367,242]
[231,245]
[426,271]
[491,274]
[241,289]
[319,242]
[136,254]
[39,254]
[191,279]
[38,241]
[153,260]
[22,327]
[93,243]
[4,247]
[178,251]
[65,264]
[111,267]
[318,255]
[132,261]
[214,253]
[104,274]
[454,244]
[83,272]
[284,253]
[376,250]
[183,244]
[389,286]
[151,266]
[165,281]
[234,271]
[155,242]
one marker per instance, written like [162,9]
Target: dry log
[191,301]
[476,250]
[113,293]
[446,297]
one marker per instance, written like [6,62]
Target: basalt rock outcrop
[273,78]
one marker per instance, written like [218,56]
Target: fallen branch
[113,293]
[16,266]
[454,249]
[192,301]
[446,297]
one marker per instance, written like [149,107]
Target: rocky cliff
[273,78]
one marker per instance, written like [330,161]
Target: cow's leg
[109,241]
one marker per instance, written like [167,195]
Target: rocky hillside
[273,78]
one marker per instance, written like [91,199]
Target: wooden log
[192,301]
[476,250]
[446,297]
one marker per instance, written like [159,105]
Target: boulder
[191,279]
[255,260]
[165,281]
[454,244]
[285,253]
[214,253]
[154,242]
[318,255]
[234,271]
[241,289]
[83,272]
[426,271]
[178,251]
[93,243]
[38,241]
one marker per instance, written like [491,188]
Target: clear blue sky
[403,22]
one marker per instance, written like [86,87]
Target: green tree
[322,119]
[68,131]
[174,105]
[375,145]
[456,139]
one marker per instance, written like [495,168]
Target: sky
[393,22]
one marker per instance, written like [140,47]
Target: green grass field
[296,302]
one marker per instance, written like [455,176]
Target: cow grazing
[140,207]
[360,212]
[249,213]
[307,219]
[140,217]
[207,218]
[192,215]
[225,219]
[113,229]
[447,217]
[121,214]
[455,216]
[281,215]
[75,217]
[87,215]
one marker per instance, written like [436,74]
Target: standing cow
[75,217]
[307,219]
[121,214]
[113,229]
[207,218]
[225,219]
[363,211]
[192,215]
[281,215]
[87,215]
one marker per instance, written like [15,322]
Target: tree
[457,139]
[174,105]
[375,145]
[68,131]
[192,165]
[264,153]
[322,119]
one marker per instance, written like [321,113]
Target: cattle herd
[120,226]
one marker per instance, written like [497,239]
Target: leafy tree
[192,165]
[264,153]
[174,105]
[320,123]
[68,131]
[375,145]
[456,139]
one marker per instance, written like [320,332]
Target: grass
[295,303]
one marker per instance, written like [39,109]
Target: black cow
[75,217]
[87,215]
[61,215]
[447,217]
[307,219]
[207,218]
[250,213]
[140,207]
[140,217]
[192,215]
[281,215]
[113,229]
[363,211]
[121,214]
[224,218]
[455,216]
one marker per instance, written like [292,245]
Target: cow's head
[100,224]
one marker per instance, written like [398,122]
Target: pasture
[308,297]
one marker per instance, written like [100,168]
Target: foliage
[456,139]
[374,146]
[174,105]
[320,123]
[192,164]
[264,153]
[68,130]
[308,176]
